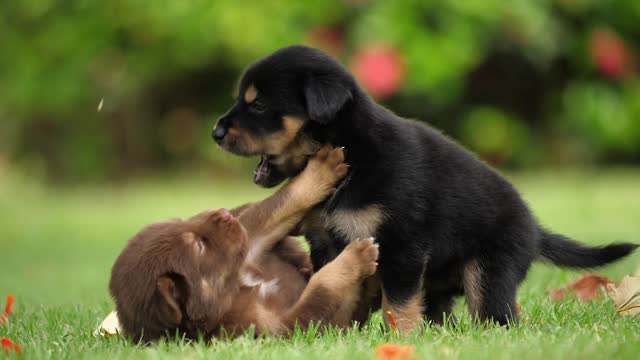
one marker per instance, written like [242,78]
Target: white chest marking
[264,287]
[356,224]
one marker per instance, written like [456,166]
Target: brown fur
[472,282]
[369,299]
[277,143]
[214,274]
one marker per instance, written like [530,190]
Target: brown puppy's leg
[332,293]
[270,220]
[291,252]
[369,301]
[238,210]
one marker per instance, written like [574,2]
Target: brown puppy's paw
[319,178]
[365,252]
[327,165]
[306,273]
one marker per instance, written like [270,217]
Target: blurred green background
[525,84]
[106,110]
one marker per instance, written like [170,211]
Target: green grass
[57,247]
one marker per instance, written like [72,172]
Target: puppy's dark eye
[258,107]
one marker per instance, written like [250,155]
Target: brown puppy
[214,274]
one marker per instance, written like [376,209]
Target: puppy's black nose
[219,133]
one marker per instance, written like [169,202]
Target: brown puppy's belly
[283,281]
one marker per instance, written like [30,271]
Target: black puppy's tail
[564,251]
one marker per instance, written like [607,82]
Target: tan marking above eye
[250,94]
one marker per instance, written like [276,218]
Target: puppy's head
[178,275]
[284,100]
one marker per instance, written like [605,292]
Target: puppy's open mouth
[266,173]
[261,173]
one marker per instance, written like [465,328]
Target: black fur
[563,251]
[443,206]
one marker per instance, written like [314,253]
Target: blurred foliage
[521,82]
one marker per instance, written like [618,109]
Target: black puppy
[446,222]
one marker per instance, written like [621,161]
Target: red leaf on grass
[9,345]
[392,321]
[394,351]
[587,288]
[7,310]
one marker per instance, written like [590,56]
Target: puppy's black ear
[325,95]
[172,292]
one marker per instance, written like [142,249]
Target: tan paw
[327,165]
[365,252]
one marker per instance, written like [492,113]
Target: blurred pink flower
[380,69]
[610,54]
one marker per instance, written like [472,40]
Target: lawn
[57,247]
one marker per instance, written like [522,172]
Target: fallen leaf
[100,104]
[7,310]
[587,288]
[518,309]
[394,351]
[110,325]
[9,345]
[392,321]
[626,295]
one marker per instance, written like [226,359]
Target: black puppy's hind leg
[402,293]
[490,287]
[438,306]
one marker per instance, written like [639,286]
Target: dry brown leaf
[626,295]
[587,288]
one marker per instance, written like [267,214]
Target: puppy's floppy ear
[172,292]
[325,95]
